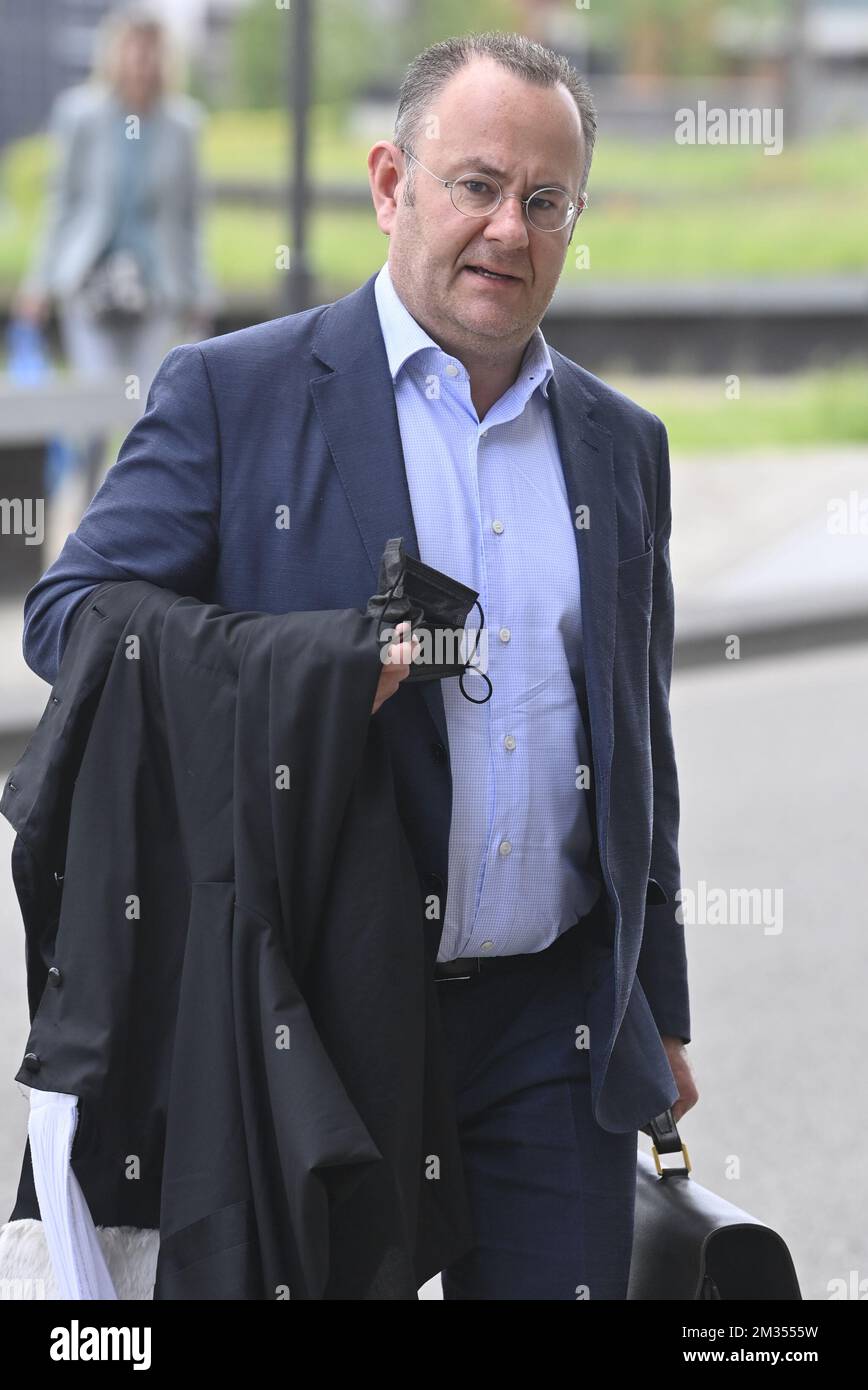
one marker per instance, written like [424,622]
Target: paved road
[773,763]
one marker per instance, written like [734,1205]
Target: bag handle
[665,1139]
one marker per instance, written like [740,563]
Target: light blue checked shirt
[490,508]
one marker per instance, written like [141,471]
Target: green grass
[733,238]
[659,211]
[811,408]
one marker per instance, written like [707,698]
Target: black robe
[226,959]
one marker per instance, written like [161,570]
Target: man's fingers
[402,650]
[390,657]
[397,660]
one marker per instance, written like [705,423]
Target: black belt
[469,967]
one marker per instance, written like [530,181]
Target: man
[269,469]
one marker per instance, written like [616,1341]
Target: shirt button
[497,526]
[504,847]
[451,370]
[487,945]
[484,433]
[509,742]
[504,634]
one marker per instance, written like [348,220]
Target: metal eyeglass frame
[577,206]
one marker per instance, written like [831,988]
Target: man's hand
[688,1095]
[397,658]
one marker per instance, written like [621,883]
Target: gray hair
[431,69]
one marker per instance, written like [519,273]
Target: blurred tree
[672,37]
[258,59]
[426,23]
[345,47]
[357,45]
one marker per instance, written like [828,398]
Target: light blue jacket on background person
[98,198]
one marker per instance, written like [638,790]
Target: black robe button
[54,977]
[32,1062]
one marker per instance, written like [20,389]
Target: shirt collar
[404,337]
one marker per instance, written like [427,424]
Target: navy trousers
[552,1194]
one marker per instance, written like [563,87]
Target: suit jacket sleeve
[155,517]
[662,964]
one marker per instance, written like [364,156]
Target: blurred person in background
[121,248]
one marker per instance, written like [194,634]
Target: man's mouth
[490,274]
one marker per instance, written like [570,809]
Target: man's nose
[508,223]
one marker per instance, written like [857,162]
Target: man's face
[485,119]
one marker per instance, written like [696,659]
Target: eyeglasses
[479,195]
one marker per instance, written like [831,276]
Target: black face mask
[435,604]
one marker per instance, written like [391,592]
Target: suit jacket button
[58,878]
[54,977]
[32,1062]
[439,752]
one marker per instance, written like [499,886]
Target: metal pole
[300,278]
[798,71]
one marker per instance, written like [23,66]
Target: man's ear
[384,175]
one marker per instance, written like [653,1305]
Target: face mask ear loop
[478,605]
[467,666]
[386,604]
[486,678]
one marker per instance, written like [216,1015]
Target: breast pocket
[634,573]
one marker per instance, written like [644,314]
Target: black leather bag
[689,1243]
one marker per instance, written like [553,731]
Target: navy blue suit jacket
[267,473]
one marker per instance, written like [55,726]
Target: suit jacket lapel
[587,460]
[356,407]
